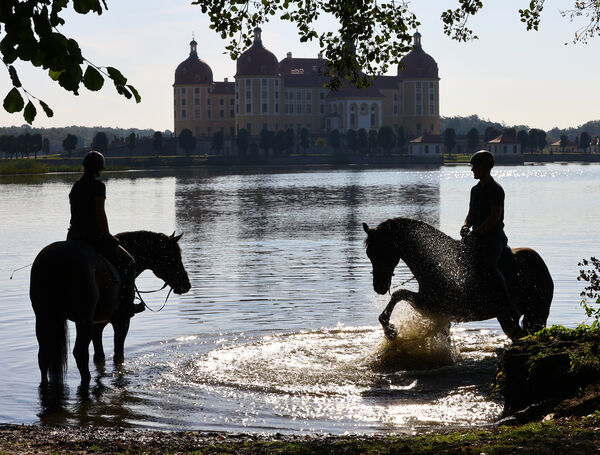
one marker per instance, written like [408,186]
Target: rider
[486,217]
[90,224]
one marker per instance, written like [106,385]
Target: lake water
[279,332]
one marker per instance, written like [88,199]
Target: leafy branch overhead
[371,36]
[29,33]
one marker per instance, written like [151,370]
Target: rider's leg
[495,248]
[126,266]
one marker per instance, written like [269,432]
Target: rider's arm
[491,221]
[101,216]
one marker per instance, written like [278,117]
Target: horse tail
[52,334]
[538,290]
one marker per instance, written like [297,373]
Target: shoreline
[565,437]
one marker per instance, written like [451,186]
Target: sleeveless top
[84,223]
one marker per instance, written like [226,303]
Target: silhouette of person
[89,224]
[486,217]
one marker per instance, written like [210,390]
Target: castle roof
[418,64]
[193,70]
[257,60]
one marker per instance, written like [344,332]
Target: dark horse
[70,281]
[451,284]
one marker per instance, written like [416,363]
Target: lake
[279,332]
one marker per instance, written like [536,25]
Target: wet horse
[451,284]
[69,281]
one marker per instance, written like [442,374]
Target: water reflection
[264,243]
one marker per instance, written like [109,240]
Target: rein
[139,295]
[401,284]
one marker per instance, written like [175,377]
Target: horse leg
[510,326]
[384,318]
[120,327]
[81,349]
[43,354]
[99,356]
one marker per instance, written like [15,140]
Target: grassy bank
[28,166]
[564,437]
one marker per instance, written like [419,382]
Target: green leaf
[13,101]
[13,76]
[92,79]
[54,75]
[46,109]
[116,76]
[29,112]
[136,95]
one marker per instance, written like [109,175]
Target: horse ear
[366,227]
[178,237]
[172,235]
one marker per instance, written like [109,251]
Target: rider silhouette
[486,217]
[89,224]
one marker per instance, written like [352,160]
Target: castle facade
[277,95]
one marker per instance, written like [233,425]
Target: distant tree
[523,138]
[131,142]
[100,142]
[69,144]
[157,142]
[46,146]
[564,141]
[187,141]
[304,139]
[290,139]
[400,137]
[372,141]
[11,146]
[218,142]
[585,140]
[279,142]
[352,141]
[491,133]
[449,139]
[362,139]
[473,139]
[335,140]
[320,143]
[267,140]
[23,141]
[541,139]
[512,132]
[386,139]
[36,144]
[242,140]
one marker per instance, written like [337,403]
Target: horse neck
[423,247]
[141,245]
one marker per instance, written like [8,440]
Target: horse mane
[400,225]
[144,236]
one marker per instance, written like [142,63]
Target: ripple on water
[329,380]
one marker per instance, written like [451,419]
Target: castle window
[208,101]
[265,109]
[197,114]
[231,114]
[231,101]
[221,102]
[197,90]
[183,114]
[183,101]
[183,91]
[248,108]
[222,113]
[208,114]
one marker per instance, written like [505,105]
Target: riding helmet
[93,161]
[483,157]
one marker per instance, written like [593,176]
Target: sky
[508,75]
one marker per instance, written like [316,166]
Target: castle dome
[418,64]
[193,70]
[257,60]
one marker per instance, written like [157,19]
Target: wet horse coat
[451,284]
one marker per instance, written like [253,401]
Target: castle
[278,95]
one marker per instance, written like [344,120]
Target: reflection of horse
[70,281]
[450,284]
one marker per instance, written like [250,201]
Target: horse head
[384,256]
[168,265]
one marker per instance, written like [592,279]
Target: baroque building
[277,95]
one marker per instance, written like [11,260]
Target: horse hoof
[99,358]
[390,332]
[384,319]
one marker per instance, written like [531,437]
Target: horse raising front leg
[390,331]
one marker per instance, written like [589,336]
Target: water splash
[422,343]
